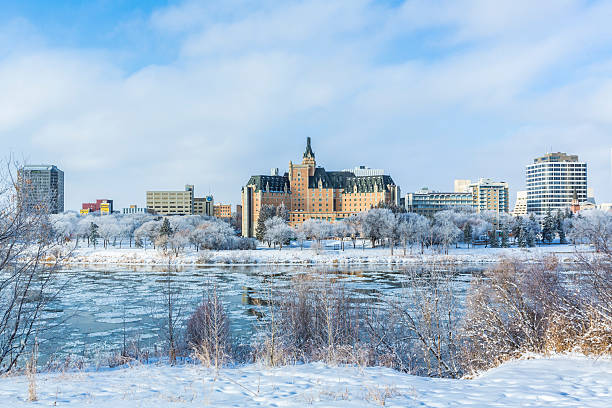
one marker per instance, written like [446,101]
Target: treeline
[173,233]
[381,226]
[393,227]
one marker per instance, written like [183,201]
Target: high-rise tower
[552,182]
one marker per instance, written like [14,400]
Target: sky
[128,96]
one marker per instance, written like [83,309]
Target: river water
[97,309]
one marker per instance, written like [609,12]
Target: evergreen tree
[493,242]
[504,238]
[93,233]
[548,228]
[165,229]
[533,230]
[559,227]
[467,234]
[522,236]
[516,229]
[266,212]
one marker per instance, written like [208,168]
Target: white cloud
[467,80]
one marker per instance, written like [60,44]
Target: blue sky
[127,96]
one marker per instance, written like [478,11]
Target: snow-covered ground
[330,254]
[563,381]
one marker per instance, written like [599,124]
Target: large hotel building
[553,181]
[309,191]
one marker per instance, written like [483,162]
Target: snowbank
[330,254]
[553,382]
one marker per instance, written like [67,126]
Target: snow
[560,381]
[329,254]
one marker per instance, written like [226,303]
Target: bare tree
[29,258]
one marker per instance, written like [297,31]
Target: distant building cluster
[102,207]
[554,182]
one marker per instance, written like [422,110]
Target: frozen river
[98,308]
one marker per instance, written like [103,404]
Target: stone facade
[309,191]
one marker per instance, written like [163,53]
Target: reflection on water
[98,307]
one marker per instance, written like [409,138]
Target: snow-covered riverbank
[563,381]
[330,254]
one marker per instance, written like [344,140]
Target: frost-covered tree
[149,231]
[593,227]
[108,231]
[278,232]
[317,230]
[282,212]
[63,226]
[445,231]
[354,225]
[300,236]
[342,230]
[178,241]
[378,224]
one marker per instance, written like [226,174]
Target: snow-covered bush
[208,332]
[518,308]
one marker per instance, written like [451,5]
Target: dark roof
[270,183]
[347,181]
[329,179]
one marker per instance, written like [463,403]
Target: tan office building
[203,205]
[171,202]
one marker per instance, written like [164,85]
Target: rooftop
[556,157]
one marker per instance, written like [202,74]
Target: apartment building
[553,180]
[489,195]
[427,202]
[44,187]
[309,191]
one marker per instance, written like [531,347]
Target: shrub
[208,332]
[516,308]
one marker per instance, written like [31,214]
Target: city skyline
[138,97]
